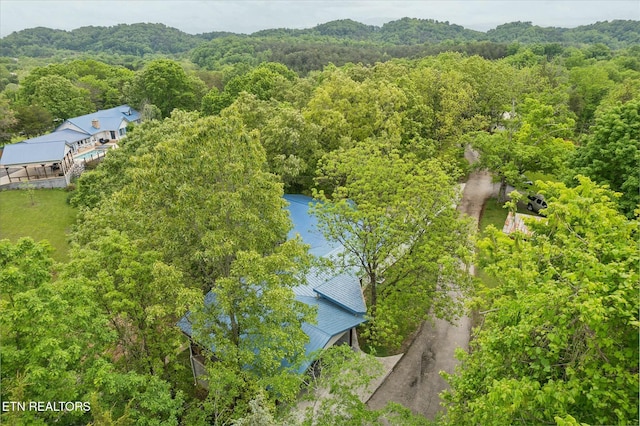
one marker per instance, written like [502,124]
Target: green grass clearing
[42,214]
[493,214]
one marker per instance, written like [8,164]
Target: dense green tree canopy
[7,121]
[349,111]
[145,39]
[611,154]
[141,295]
[165,84]
[197,192]
[387,211]
[50,333]
[33,120]
[61,98]
[290,142]
[103,85]
[191,202]
[253,325]
[532,141]
[559,336]
[192,206]
[267,81]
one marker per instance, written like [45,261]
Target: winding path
[415,381]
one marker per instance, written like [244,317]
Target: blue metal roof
[33,153]
[68,135]
[334,291]
[109,119]
[331,319]
[344,289]
[185,325]
[340,286]
[305,224]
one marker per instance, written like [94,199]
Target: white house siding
[122,130]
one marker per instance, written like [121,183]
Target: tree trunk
[502,193]
[374,294]
[235,331]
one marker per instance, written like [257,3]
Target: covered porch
[43,165]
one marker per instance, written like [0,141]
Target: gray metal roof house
[337,295]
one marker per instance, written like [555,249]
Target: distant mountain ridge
[146,38]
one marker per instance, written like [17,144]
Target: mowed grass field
[493,214]
[45,216]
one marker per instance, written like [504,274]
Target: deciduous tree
[61,98]
[532,140]
[51,334]
[251,326]
[349,111]
[8,121]
[383,209]
[611,154]
[33,120]
[197,191]
[290,142]
[559,335]
[142,297]
[165,84]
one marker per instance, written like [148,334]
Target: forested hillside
[373,121]
[145,39]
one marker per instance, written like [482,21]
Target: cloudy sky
[247,16]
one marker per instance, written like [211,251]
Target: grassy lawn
[493,214]
[41,214]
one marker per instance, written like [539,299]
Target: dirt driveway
[415,381]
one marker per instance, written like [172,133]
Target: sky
[247,16]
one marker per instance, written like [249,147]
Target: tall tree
[495,83]
[33,120]
[290,142]
[348,111]
[61,98]
[251,326]
[559,334]
[142,297]
[383,209]
[589,85]
[532,140]
[195,198]
[268,80]
[197,192]
[165,84]
[51,335]
[611,153]
[8,121]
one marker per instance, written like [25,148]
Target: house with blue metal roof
[336,294]
[48,160]
[104,125]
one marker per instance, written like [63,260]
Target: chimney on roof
[95,123]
